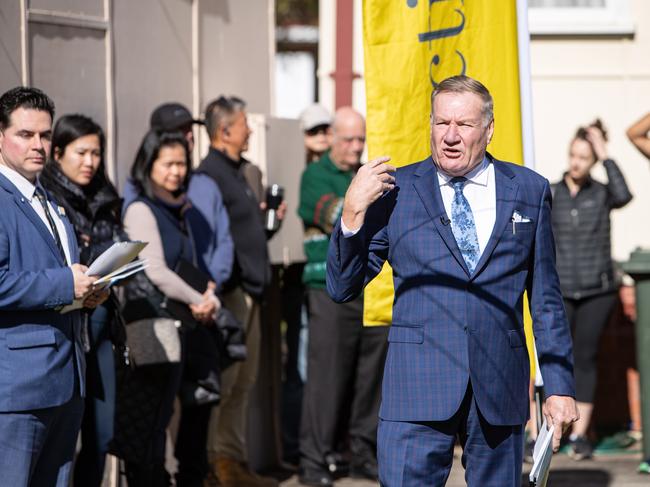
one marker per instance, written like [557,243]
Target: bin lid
[639,262]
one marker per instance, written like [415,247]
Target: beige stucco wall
[575,80]
[144,53]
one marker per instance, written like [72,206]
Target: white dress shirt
[480,192]
[28,190]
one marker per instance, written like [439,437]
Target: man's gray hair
[220,113]
[465,84]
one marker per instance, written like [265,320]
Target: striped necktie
[40,194]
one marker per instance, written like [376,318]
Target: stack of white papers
[113,265]
[542,454]
[117,256]
[121,273]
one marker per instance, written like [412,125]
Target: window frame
[615,18]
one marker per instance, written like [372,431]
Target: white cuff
[347,233]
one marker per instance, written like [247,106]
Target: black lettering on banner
[434,35]
[435,61]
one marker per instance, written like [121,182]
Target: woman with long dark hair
[75,175]
[581,226]
[162,215]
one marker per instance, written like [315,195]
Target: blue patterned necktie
[463,226]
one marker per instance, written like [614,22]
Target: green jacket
[322,189]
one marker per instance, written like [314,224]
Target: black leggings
[587,318]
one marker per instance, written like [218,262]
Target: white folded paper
[113,265]
[121,273]
[118,255]
[542,454]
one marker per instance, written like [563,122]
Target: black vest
[176,240]
[251,268]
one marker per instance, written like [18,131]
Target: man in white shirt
[41,360]
[465,235]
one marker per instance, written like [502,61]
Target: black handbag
[142,299]
[231,337]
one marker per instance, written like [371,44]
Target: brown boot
[211,479]
[232,473]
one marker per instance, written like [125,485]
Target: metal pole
[643,355]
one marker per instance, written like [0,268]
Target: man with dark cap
[174,117]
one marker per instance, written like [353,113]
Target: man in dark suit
[41,356]
[466,235]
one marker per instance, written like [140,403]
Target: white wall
[294,83]
[576,80]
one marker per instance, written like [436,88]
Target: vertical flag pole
[525,92]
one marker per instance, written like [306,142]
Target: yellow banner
[409,47]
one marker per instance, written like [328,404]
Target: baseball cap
[314,116]
[171,116]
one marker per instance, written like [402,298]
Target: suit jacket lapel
[29,212]
[428,188]
[506,193]
[26,208]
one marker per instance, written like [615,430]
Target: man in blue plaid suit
[466,235]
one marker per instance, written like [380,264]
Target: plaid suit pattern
[452,327]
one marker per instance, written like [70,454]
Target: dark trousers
[293,300]
[191,441]
[345,366]
[587,317]
[99,411]
[414,454]
[167,378]
[37,447]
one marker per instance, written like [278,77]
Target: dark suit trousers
[344,373]
[37,447]
[413,454]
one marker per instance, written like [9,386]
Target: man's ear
[490,131]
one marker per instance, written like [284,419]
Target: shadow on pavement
[578,477]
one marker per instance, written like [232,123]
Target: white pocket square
[519,218]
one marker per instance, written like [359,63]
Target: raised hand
[598,142]
[371,181]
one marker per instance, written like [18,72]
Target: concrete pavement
[602,471]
